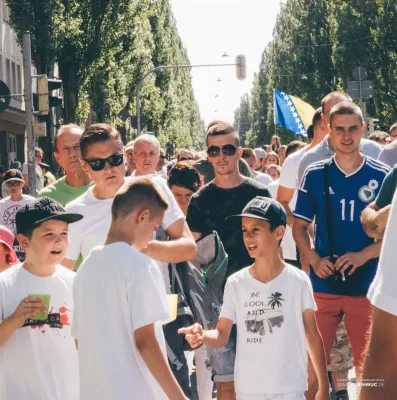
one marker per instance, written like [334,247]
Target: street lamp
[225,54]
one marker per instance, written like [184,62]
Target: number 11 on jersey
[351,202]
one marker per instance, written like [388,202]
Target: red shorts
[357,312]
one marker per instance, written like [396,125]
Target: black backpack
[200,282]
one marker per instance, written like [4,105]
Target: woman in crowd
[274,171]
[184,180]
[271,158]
[275,143]
[281,154]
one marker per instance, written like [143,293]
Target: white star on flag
[295,114]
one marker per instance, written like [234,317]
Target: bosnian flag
[292,113]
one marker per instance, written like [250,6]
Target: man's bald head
[331,100]
[67,148]
[64,130]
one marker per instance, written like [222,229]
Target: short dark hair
[98,133]
[379,136]
[394,126]
[141,192]
[345,108]
[294,146]
[310,132]
[317,116]
[62,129]
[185,175]
[342,95]
[247,152]
[217,128]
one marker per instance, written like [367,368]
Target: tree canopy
[102,48]
[316,45]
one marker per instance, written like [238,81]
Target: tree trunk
[70,84]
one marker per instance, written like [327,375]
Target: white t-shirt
[39,361]
[288,244]
[92,230]
[8,210]
[265,179]
[271,343]
[382,292]
[117,290]
[38,174]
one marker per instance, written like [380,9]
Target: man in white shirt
[103,159]
[288,244]
[382,350]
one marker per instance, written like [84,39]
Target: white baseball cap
[260,153]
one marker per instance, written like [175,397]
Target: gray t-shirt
[386,193]
[388,155]
[25,171]
[323,151]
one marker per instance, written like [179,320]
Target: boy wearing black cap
[9,206]
[38,358]
[272,304]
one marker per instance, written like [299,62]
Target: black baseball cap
[13,175]
[40,210]
[264,208]
[44,165]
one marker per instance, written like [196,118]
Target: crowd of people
[86,266]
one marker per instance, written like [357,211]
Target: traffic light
[241,67]
[44,88]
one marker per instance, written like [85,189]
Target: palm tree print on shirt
[275,300]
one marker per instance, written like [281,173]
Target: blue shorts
[222,360]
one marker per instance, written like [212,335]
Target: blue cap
[264,208]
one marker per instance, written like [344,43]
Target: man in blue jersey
[341,267]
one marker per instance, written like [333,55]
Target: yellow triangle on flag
[305,110]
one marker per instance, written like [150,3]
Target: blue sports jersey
[349,195]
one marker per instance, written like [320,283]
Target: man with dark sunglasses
[226,195]
[103,159]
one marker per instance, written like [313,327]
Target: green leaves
[102,49]
[323,41]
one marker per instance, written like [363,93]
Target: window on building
[19,80]
[14,78]
[8,73]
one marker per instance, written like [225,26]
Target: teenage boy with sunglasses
[9,206]
[103,159]
[226,195]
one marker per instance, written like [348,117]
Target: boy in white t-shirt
[273,306]
[9,206]
[121,303]
[38,357]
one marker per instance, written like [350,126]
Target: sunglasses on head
[98,164]
[227,150]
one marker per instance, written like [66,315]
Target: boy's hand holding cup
[32,306]
[193,334]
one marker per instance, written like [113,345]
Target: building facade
[13,119]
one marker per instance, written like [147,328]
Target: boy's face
[257,237]
[48,243]
[147,223]
[109,176]
[14,187]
